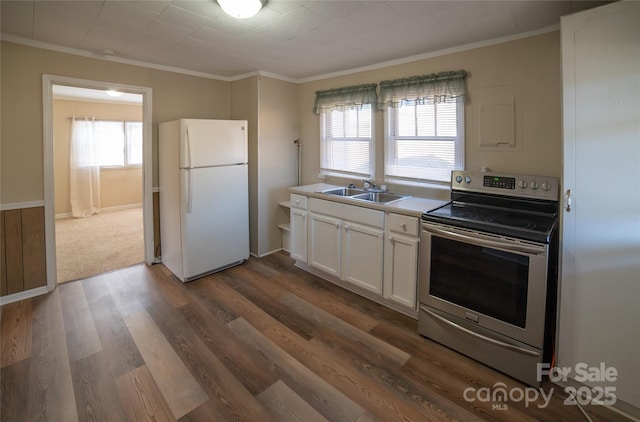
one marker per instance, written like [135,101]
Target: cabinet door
[401,270]
[362,256]
[324,243]
[298,221]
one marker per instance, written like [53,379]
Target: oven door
[486,281]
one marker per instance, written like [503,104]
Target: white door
[362,257]
[215,218]
[212,142]
[324,243]
[599,312]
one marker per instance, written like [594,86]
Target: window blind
[346,141]
[424,142]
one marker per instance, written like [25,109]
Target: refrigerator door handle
[189,192]
[188,147]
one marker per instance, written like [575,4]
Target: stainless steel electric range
[488,270]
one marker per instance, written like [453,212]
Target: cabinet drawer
[353,213]
[403,224]
[298,201]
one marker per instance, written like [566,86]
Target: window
[424,127]
[346,142]
[346,130]
[119,143]
[424,142]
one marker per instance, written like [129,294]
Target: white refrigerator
[203,195]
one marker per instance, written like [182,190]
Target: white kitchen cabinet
[347,242]
[362,256]
[325,240]
[366,250]
[401,259]
[599,306]
[298,227]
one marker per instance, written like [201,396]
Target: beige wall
[271,107]
[174,96]
[244,106]
[118,187]
[532,63]
[278,155]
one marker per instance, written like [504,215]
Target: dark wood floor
[258,342]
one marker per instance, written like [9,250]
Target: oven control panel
[521,185]
[499,182]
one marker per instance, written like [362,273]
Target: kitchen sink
[365,195]
[380,197]
[343,191]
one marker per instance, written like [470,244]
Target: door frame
[49,188]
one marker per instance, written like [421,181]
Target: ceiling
[296,40]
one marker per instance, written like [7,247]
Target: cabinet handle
[404,227]
[346,227]
[337,225]
[391,239]
[568,200]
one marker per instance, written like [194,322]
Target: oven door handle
[480,336]
[483,242]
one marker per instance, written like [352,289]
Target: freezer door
[215,218]
[212,142]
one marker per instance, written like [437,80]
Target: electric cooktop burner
[521,223]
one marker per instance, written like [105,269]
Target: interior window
[119,143]
[424,141]
[346,143]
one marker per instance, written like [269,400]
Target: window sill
[425,185]
[111,168]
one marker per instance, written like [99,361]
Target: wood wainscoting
[22,250]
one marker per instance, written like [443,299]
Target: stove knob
[467,179]
[533,185]
[459,179]
[522,184]
[545,186]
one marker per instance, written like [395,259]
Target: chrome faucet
[367,182]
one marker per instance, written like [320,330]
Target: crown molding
[409,59]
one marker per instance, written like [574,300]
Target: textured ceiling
[294,39]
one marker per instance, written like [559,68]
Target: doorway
[86,99]
[97,139]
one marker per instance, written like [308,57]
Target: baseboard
[620,407]
[271,252]
[102,210]
[121,207]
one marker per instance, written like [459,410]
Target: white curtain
[84,172]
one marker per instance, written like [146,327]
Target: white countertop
[413,206]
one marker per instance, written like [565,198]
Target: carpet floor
[94,245]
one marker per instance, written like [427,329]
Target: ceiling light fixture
[241,9]
[113,93]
